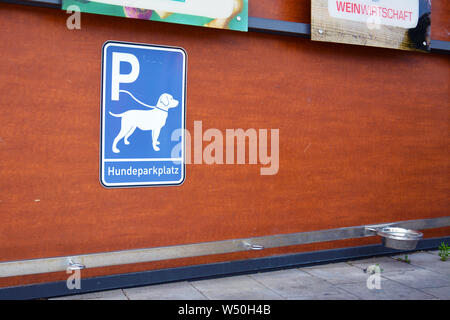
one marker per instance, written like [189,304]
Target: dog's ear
[164,100]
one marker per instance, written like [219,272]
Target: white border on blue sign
[122,44]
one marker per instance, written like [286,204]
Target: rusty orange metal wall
[364,138]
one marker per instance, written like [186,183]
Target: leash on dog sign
[143,115]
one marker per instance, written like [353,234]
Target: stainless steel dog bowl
[399,238]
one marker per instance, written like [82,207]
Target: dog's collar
[142,103]
[158,108]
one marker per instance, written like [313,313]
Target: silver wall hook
[250,246]
[75,266]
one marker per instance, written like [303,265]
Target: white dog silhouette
[145,120]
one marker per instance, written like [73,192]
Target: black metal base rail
[279,27]
[207,271]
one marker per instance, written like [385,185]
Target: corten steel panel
[440,20]
[288,10]
[364,139]
[300,11]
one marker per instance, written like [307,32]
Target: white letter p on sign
[117,77]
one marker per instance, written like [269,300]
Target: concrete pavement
[426,277]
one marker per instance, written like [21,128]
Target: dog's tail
[116,115]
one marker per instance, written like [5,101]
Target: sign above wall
[398,24]
[215,9]
[222,14]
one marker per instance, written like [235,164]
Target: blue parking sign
[143,115]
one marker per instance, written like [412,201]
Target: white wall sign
[215,9]
[398,13]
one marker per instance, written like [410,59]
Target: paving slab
[428,260]
[442,293]
[328,265]
[169,291]
[235,288]
[419,278]
[338,273]
[298,284]
[340,296]
[387,264]
[389,290]
[102,295]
